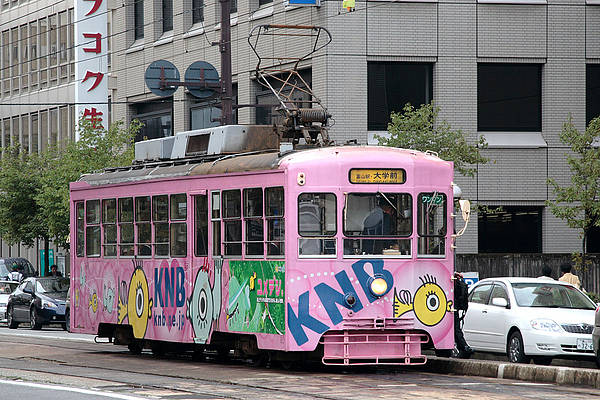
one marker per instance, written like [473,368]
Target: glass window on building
[390,85]
[53,31]
[33,51]
[15,63]
[138,19]
[167,15]
[6,62]
[43,29]
[510,229]
[268,115]
[24,57]
[592,92]
[233,6]
[197,11]
[509,97]
[157,119]
[25,132]
[34,133]
[207,113]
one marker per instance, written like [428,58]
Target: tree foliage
[579,202]
[419,129]
[34,189]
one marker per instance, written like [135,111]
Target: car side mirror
[500,302]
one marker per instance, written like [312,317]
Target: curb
[522,372]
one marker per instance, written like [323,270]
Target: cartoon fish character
[430,304]
[108,299]
[204,306]
[138,306]
[93,303]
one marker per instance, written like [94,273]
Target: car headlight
[48,304]
[545,325]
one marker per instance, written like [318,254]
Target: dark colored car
[25,267]
[38,301]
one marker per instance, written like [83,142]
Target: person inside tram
[381,221]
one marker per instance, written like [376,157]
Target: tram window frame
[92,228]
[143,226]
[275,221]
[126,227]
[321,241]
[201,218]
[80,228]
[254,226]
[160,222]
[178,230]
[430,244]
[215,218]
[109,228]
[231,206]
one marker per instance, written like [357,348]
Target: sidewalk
[524,372]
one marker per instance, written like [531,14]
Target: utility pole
[225,49]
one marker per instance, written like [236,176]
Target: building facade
[511,70]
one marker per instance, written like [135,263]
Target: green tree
[419,129]
[95,150]
[19,185]
[579,202]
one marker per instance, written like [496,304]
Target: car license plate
[584,344]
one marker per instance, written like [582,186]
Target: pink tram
[227,242]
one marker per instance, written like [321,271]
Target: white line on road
[79,338]
[72,389]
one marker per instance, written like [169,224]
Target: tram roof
[241,162]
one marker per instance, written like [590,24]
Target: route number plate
[584,344]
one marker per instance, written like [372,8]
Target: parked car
[25,267]
[38,301]
[6,288]
[596,336]
[529,318]
[68,311]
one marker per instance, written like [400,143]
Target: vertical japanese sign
[91,62]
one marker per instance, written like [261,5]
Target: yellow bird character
[138,306]
[430,304]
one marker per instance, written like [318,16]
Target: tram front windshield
[376,223]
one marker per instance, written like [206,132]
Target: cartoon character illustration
[239,307]
[136,304]
[108,299]
[204,306]
[430,304]
[93,303]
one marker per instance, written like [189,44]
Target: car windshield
[52,285]
[3,270]
[550,295]
[7,287]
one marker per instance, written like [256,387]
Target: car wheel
[516,352]
[34,319]
[598,358]
[12,324]
[444,353]
[67,324]
[542,360]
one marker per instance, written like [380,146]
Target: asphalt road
[73,364]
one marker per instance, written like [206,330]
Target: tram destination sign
[387,175]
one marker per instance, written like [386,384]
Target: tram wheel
[158,349]
[198,353]
[136,346]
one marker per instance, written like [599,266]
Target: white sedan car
[6,288]
[529,318]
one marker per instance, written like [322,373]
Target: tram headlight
[378,286]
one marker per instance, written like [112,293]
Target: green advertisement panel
[256,290]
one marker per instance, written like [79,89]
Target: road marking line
[72,389]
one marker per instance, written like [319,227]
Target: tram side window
[92,229]
[126,239]
[143,226]
[109,226]
[253,221]
[201,225]
[431,224]
[160,218]
[215,217]
[80,222]
[178,230]
[232,222]
[274,212]
[316,221]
